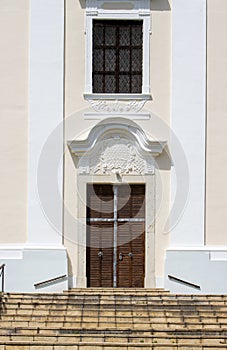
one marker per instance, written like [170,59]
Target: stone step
[111,298]
[126,313]
[135,311]
[104,346]
[51,338]
[145,317]
[134,292]
[18,313]
[119,303]
[86,301]
[177,325]
[73,315]
[103,301]
[119,295]
[90,292]
[101,290]
[113,333]
[112,319]
[112,311]
[12,320]
[22,314]
[28,345]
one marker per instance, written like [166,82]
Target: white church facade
[113,161]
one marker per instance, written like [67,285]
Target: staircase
[113,319]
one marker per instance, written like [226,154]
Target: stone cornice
[121,129]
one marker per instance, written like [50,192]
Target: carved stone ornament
[118,156]
[104,106]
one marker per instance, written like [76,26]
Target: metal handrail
[36,285]
[2,274]
[186,283]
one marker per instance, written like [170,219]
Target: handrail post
[3,278]
[2,274]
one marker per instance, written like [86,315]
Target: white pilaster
[189,112]
[45,114]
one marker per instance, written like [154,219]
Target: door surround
[116,151]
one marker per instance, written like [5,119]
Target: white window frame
[140,9]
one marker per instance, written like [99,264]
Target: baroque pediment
[118,148]
[118,156]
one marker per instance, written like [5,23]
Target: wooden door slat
[130,235]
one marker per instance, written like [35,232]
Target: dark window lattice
[117,56]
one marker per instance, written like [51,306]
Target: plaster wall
[46,99]
[199,240]
[188,120]
[14,28]
[216,204]
[31,88]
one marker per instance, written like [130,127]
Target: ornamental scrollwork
[104,106]
[118,157]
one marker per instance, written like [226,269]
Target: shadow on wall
[83,4]
[70,268]
[164,161]
[160,5]
[156,5]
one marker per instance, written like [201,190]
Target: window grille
[117,56]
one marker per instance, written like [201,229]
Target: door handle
[100,254]
[121,256]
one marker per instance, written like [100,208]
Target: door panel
[100,202]
[131,201]
[130,270]
[124,264]
[138,250]
[100,254]
[115,213]
[131,235]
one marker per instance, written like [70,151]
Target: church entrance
[115,253]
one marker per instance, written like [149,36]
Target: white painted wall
[45,113]
[14,48]
[216,210]
[26,266]
[205,267]
[189,113]
[43,256]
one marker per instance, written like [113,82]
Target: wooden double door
[115,235]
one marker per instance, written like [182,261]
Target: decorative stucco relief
[118,156]
[104,106]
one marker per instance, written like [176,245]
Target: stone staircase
[113,319]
